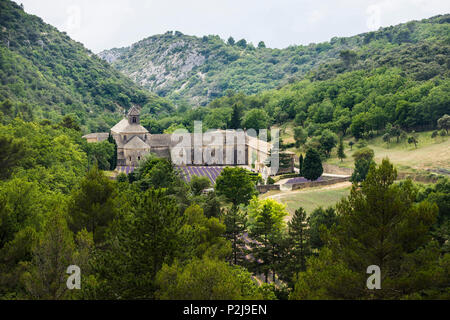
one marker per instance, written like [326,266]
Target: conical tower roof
[134,111]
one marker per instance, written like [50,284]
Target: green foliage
[138,246]
[379,224]
[198,184]
[419,50]
[93,204]
[319,221]
[312,165]
[236,185]
[255,119]
[206,234]
[444,122]
[101,154]
[154,172]
[298,238]
[235,221]
[300,136]
[363,161]
[46,75]
[328,141]
[12,152]
[45,276]
[208,279]
[341,151]
[266,226]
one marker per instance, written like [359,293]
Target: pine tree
[266,219]
[51,255]
[264,238]
[298,245]
[235,222]
[380,224]
[93,205]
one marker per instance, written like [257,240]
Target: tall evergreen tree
[340,151]
[266,220]
[312,165]
[113,160]
[93,205]
[236,116]
[298,245]
[379,224]
[300,166]
[235,221]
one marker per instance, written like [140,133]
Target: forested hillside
[45,74]
[201,69]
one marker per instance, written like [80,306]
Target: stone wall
[311,184]
[267,187]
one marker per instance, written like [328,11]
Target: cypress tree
[301,165]
[113,160]
[340,151]
[312,165]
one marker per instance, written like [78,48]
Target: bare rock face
[161,64]
[111,55]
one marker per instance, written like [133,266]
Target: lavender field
[125,169]
[211,172]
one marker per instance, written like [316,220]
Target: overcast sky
[105,24]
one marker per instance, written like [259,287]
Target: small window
[124,138]
[139,158]
[134,119]
[130,158]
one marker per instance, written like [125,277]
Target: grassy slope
[53,75]
[310,199]
[430,154]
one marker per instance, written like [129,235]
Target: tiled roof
[125,127]
[99,135]
[136,143]
[134,111]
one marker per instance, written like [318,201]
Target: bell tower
[133,115]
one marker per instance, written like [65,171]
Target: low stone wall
[311,184]
[267,187]
[333,169]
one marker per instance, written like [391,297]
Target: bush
[361,144]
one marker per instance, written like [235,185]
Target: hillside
[45,74]
[202,69]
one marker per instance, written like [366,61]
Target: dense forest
[46,75]
[200,69]
[151,235]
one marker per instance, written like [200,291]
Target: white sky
[105,24]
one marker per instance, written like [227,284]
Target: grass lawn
[310,199]
[431,153]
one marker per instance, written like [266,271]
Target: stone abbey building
[238,148]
